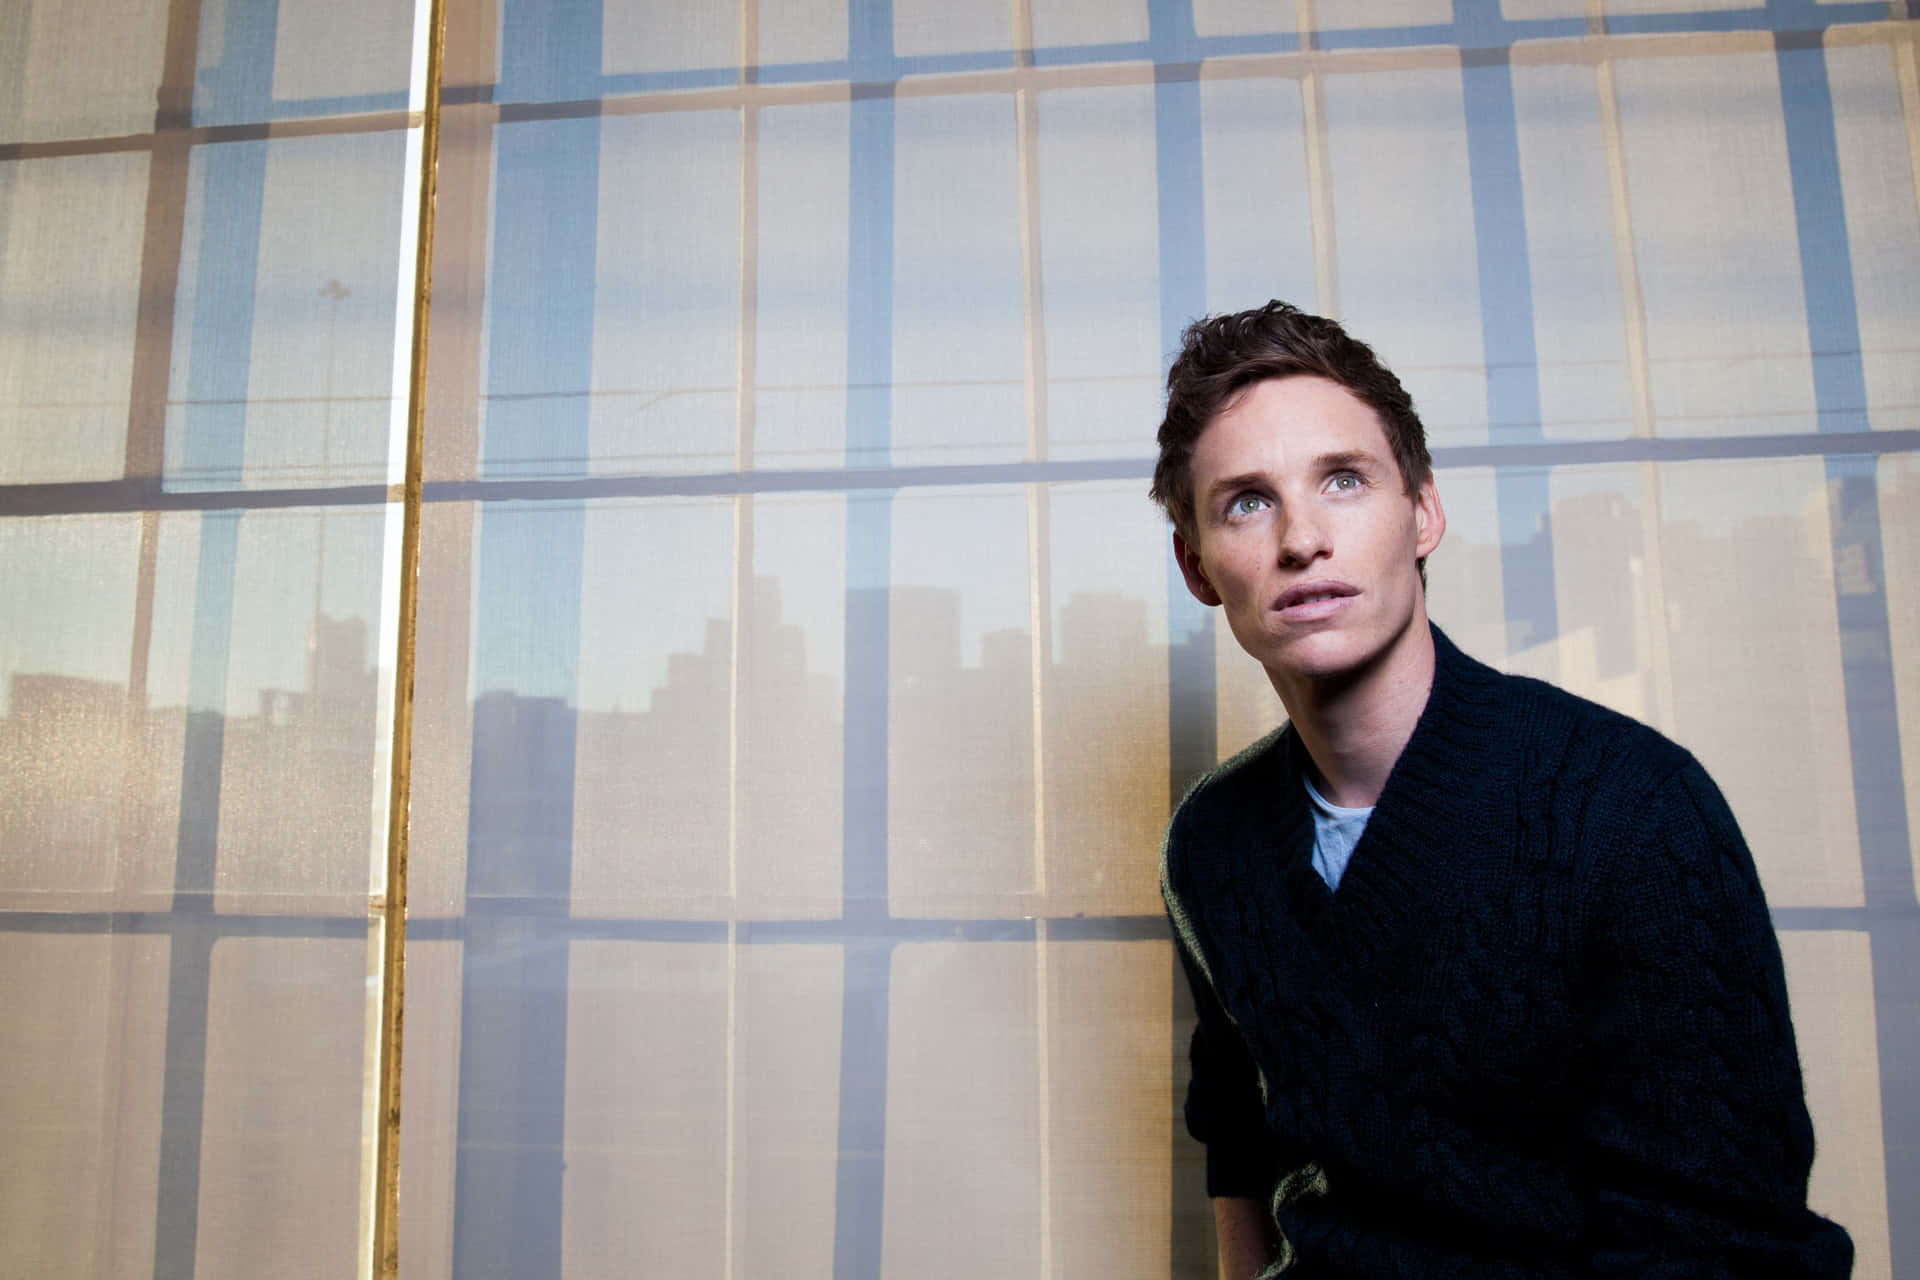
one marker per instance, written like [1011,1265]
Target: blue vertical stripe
[1192,746]
[239,89]
[508,1198]
[1180,185]
[860,1169]
[1826,261]
[1506,326]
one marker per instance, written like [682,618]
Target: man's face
[1304,531]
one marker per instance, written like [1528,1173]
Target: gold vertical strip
[1313,104]
[1653,585]
[1326,257]
[1026,121]
[1043,1102]
[385,1262]
[745,416]
[1626,257]
[739,683]
[1039,596]
[1026,109]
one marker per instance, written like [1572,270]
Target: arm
[1225,1110]
[1697,1142]
[1247,1237]
[1225,1113]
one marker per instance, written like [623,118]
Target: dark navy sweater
[1541,1028]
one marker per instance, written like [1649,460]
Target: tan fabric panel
[1259,210]
[1579,318]
[1830,984]
[442,715]
[639,37]
[84,69]
[960,810]
[82,1042]
[341,49]
[430,1113]
[1756,665]
[1110,1114]
[69,294]
[646,1100]
[69,741]
[1097,207]
[298,781]
[789,714]
[666,294]
[280,1151]
[799,323]
[1717,248]
[802,31]
[1058,22]
[964,1135]
[1466,586]
[786,1126]
[959,326]
[1104,725]
[321,355]
[651,759]
[923,27]
[1397,139]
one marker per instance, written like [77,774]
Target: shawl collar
[1433,831]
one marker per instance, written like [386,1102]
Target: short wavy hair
[1222,355]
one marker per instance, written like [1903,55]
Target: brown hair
[1221,355]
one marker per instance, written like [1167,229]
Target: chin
[1325,656]
[1334,654]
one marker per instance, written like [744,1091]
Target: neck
[1355,726]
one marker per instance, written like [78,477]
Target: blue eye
[1246,504]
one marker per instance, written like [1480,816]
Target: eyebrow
[1351,458]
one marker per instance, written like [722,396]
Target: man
[1486,983]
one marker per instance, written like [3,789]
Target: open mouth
[1315,593]
[1311,601]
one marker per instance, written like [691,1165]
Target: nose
[1303,538]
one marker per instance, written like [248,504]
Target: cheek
[1241,571]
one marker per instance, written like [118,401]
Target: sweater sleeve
[1697,1143]
[1224,1109]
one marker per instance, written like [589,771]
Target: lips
[1310,601]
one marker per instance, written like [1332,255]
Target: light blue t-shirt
[1335,832]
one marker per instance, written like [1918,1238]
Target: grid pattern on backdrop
[628,438]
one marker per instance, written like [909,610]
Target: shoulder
[1552,738]
[1625,752]
[1245,792]
[1221,796]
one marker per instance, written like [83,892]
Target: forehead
[1282,423]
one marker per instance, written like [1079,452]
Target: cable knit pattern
[1540,1030]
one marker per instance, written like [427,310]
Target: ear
[1429,519]
[1195,575]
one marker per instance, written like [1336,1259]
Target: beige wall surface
[800,678]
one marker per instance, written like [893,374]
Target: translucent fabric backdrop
[801,680]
